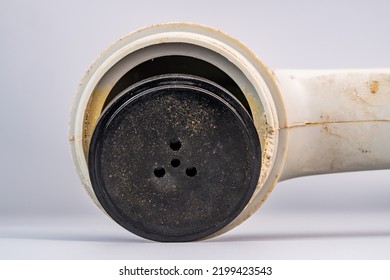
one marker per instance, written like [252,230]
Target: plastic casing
[309,122]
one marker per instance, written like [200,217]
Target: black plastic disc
[174,158]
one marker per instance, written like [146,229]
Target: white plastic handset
[337,121]
[308,121]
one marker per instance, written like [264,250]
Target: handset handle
[337,120]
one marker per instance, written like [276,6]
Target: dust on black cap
[174,158]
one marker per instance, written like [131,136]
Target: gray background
[45,48]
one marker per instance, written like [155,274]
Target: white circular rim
[192,34]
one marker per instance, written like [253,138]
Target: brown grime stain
[303,124]
[363,151]
[327,130]
[374,86]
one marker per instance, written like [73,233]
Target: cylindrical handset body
[338,120]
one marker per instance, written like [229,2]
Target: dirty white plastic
[309,122]
[338,121]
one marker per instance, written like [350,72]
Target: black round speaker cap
[174,158]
